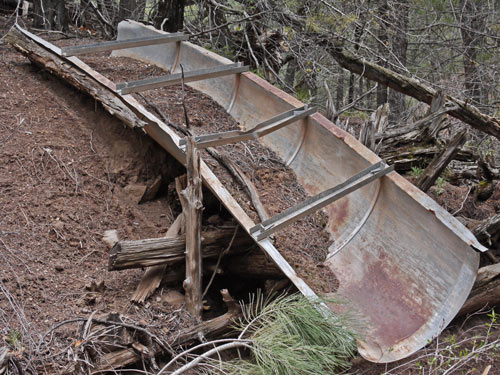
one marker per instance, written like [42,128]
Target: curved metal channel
[236,86]
[299,146]
[345,239]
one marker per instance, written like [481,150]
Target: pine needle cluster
[290,335]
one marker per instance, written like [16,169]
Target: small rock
[173,298]
[59,267]
[135,192]
[110,238]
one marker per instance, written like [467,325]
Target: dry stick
[191,201]
[201,357]
[186,118]
[437,166]
[153,275]
[243,180]
[218,262]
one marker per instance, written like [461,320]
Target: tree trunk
[127,9]
[170,15]
[50,15]
[399,45]
[472,25]
[382,46]
[339,103]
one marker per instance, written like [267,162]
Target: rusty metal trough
[404,264]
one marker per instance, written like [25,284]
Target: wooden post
[191,201]
[437,166]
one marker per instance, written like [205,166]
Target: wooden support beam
[441,161]
[191,201]
[171,250]
[173,79]
[122,44]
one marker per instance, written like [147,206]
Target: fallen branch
[440,162]
[169,251]
[414,88]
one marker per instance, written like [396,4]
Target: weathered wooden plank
[171,250]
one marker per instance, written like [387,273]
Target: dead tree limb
[191,201]
[439,163]
[169,251]
[414,88]
[216,327]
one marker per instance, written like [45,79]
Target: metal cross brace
[122,44]
[289,216]
[260,130]
[172,79]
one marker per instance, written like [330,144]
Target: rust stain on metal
[338,214]
[384,286]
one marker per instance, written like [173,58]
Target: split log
[488,232]
[439,163]
[155,251]
[153,275]
[413,87]
[191,201]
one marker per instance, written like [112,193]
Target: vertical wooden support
[191,201]
[440,161]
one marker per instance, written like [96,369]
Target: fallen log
[440,162]
[155,251]
[413,87]
[404,160]
[485,292]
